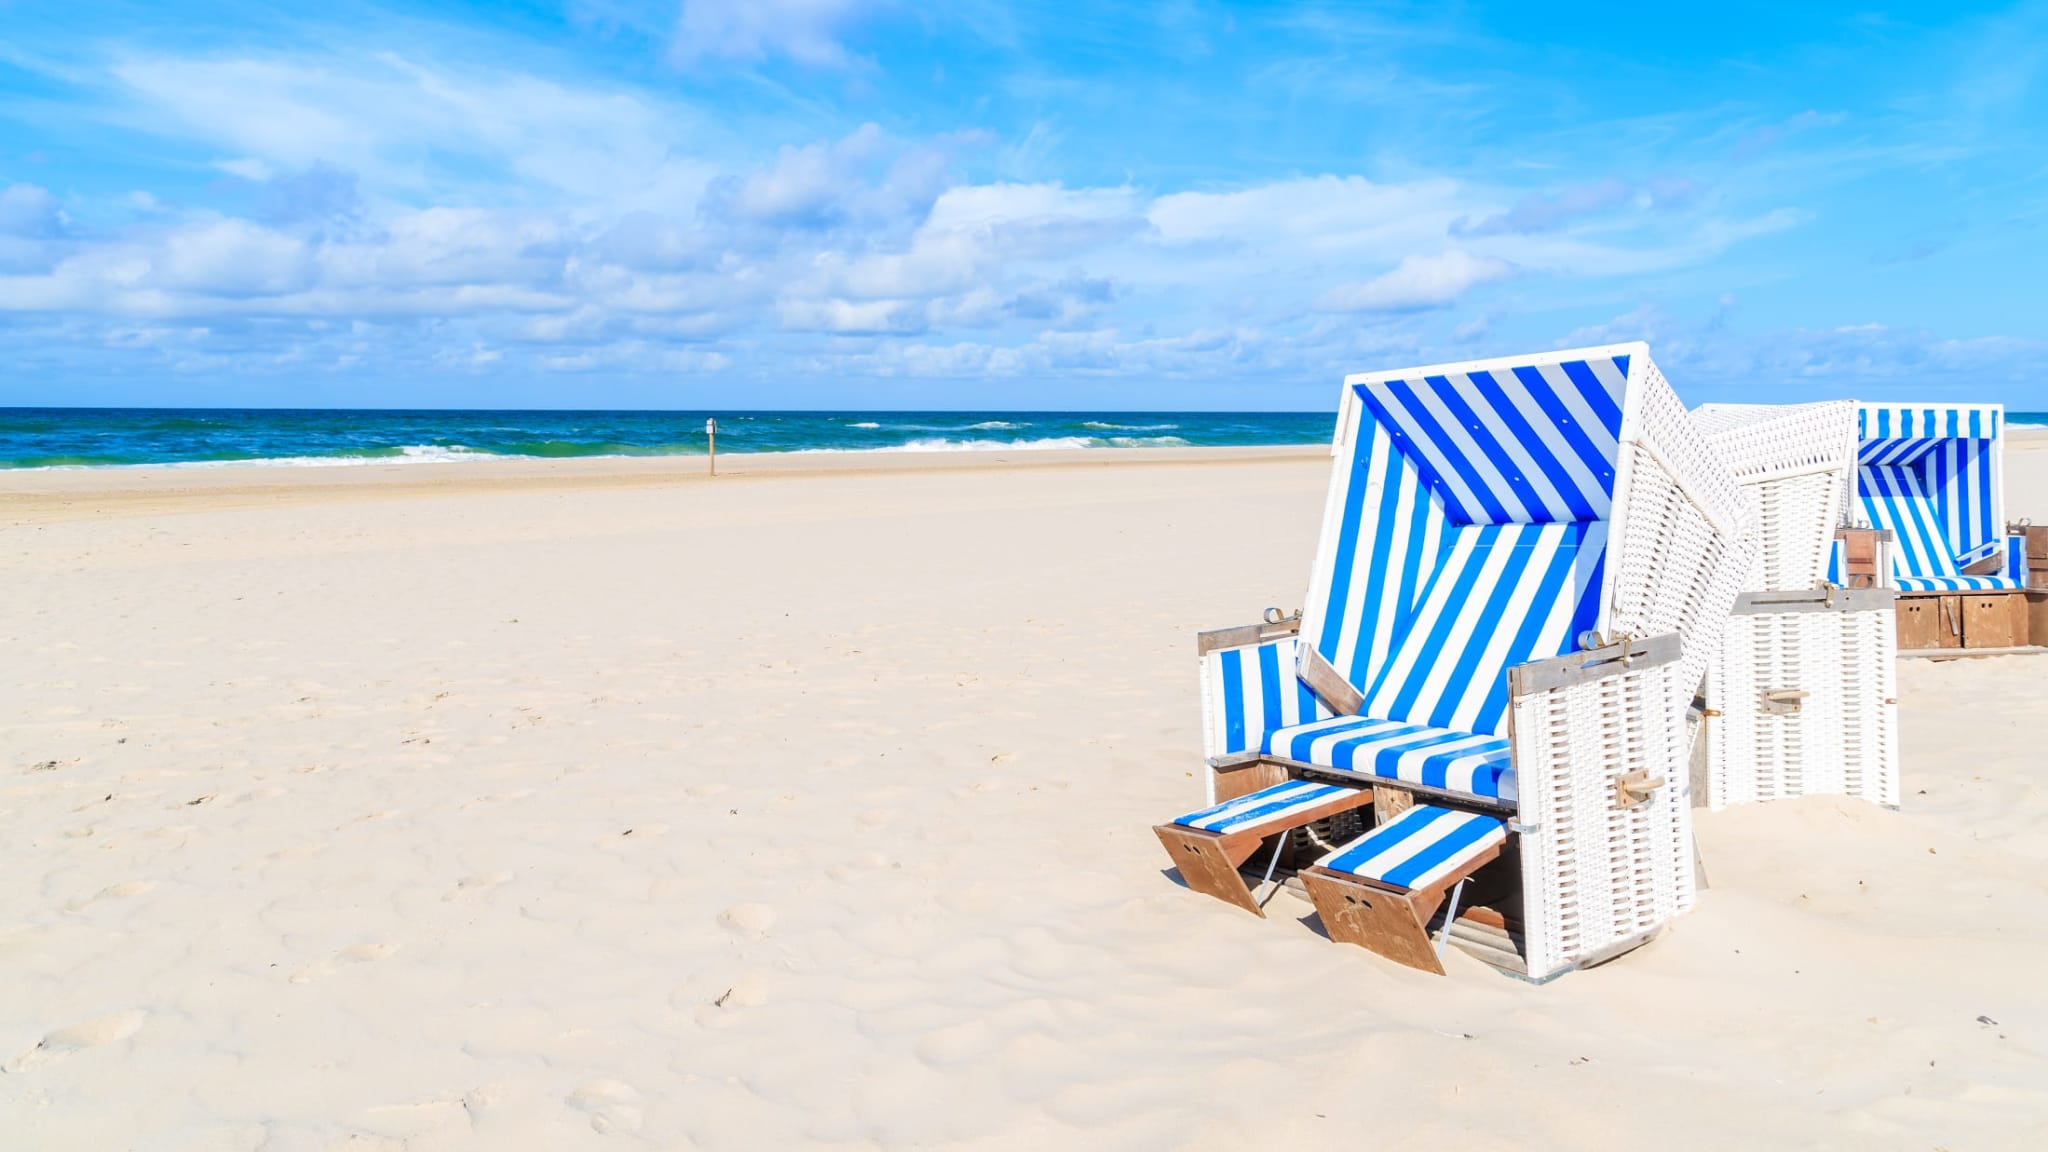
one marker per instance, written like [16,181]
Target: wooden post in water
[711,435]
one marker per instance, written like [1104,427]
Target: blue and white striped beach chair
[1802,700]
[1519,563]
[1931,478]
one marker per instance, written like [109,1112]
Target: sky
[861,204]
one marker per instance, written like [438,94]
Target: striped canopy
[1467,529]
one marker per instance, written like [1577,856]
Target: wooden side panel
[1388,803]
[1919,623]
[1208,863]
[1995,621]
[2037,561]
[1245,779]
[1393,924]
[2037,617]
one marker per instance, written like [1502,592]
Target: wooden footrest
[1209,845]
[1381,891]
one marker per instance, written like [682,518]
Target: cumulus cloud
[1416,283]
[380,213]
[864,177]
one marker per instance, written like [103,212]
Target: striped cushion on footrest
[1419,847]
[1279,802]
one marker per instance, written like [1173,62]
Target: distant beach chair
[1930,485]
[1803,699]
[1521,566]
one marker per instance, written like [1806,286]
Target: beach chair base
[1945,621]
[1209,861]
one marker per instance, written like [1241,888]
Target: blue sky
[844,203]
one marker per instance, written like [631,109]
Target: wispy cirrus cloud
[807,32]
[1417,283]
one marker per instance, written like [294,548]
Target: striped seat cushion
[1503,594]
[1480,765]
[1419,848]
[1922,560]
[1277,804]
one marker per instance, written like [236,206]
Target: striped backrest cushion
[1382,534]
[1893,498]
[1504,594]
[1527,444]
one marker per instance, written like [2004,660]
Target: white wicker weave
[1797,462]
[1841,741]
[1597,875]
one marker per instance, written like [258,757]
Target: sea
[229,437]
[220,437]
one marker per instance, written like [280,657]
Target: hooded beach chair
[1802,700]
[1521,566]
[1930,480]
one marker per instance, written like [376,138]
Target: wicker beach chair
[1930,485]
[1522,562]
[1803,698]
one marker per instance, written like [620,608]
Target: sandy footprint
[91,1034]
[613,1105]
[943,1048]
[748,921]
[860,862]
[111,892]
[353,954]
[476,884]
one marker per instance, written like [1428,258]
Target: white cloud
[27,210]
[231,258]
[806,31]
[1416,283]
[388,211]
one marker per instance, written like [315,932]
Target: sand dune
[595,806]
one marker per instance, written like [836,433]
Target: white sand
[564,806]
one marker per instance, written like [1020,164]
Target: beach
[602,804]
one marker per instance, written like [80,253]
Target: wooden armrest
[1814,600]
[1246,635]
[1622,656]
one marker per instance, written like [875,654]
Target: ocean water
[216,437]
